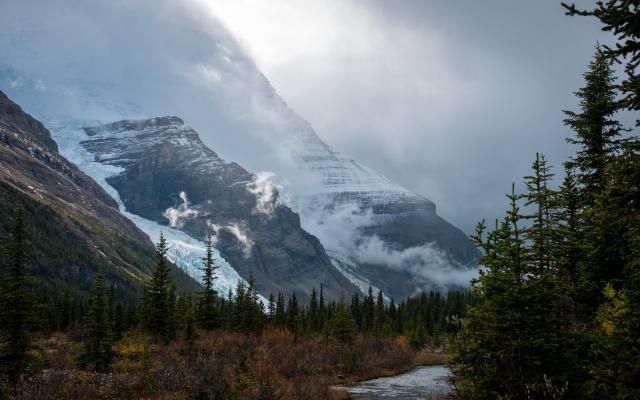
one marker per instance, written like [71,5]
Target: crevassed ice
[184,251]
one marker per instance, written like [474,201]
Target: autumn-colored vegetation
[223,365]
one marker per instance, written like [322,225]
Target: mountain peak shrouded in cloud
[446,99]
[74,64]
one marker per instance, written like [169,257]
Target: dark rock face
[12,114]
[169,176]
[33,174]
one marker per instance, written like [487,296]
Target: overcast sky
[450,99]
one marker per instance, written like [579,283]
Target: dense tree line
[101,319]
[556,310]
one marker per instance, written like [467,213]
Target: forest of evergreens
[557,304]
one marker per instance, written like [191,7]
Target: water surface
[413,385]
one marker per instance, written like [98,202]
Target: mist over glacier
[98,62]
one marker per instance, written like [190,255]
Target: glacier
[184,251]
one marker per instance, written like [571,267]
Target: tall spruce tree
[368,311]
[541,197]
[293,313]
[207,312]
[568,249]
[281,314]
[620,17]
[597,135]
[97,337]
[17,305]
[159,297]
[314,312]
[254,307]
[597,132]
[379,317]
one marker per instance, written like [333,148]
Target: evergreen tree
[597,135]
[314,317]
[541,197]
[341,326]
[207,315]
[293,310]
[368,311]
[281,315]
[597,132]
[159,297]
[239,307]
[254,308]
[322,309]
[17,305]
[620,17]
[97,337]
[510,343]
[616,369]
[356,310]
[568,239]
[393,316]
[379,316]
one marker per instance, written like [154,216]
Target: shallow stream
[418,384]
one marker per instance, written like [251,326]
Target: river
[418,384]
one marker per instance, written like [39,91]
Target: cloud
[238,230]
[340,229]
[265,190]
[451,100]
[177,216]
[430,266]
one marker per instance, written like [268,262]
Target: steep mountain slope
[74,226]
[172,58]
[168,175]
[377,232]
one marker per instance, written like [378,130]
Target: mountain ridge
[87,219]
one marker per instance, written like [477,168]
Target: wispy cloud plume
[177,216]
[238,230]
[265,190]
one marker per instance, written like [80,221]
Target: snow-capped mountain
[164,173]
[93,64]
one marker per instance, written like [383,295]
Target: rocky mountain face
[74,226]
[402,218]
[166,174]
[396,240]
[377,232]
